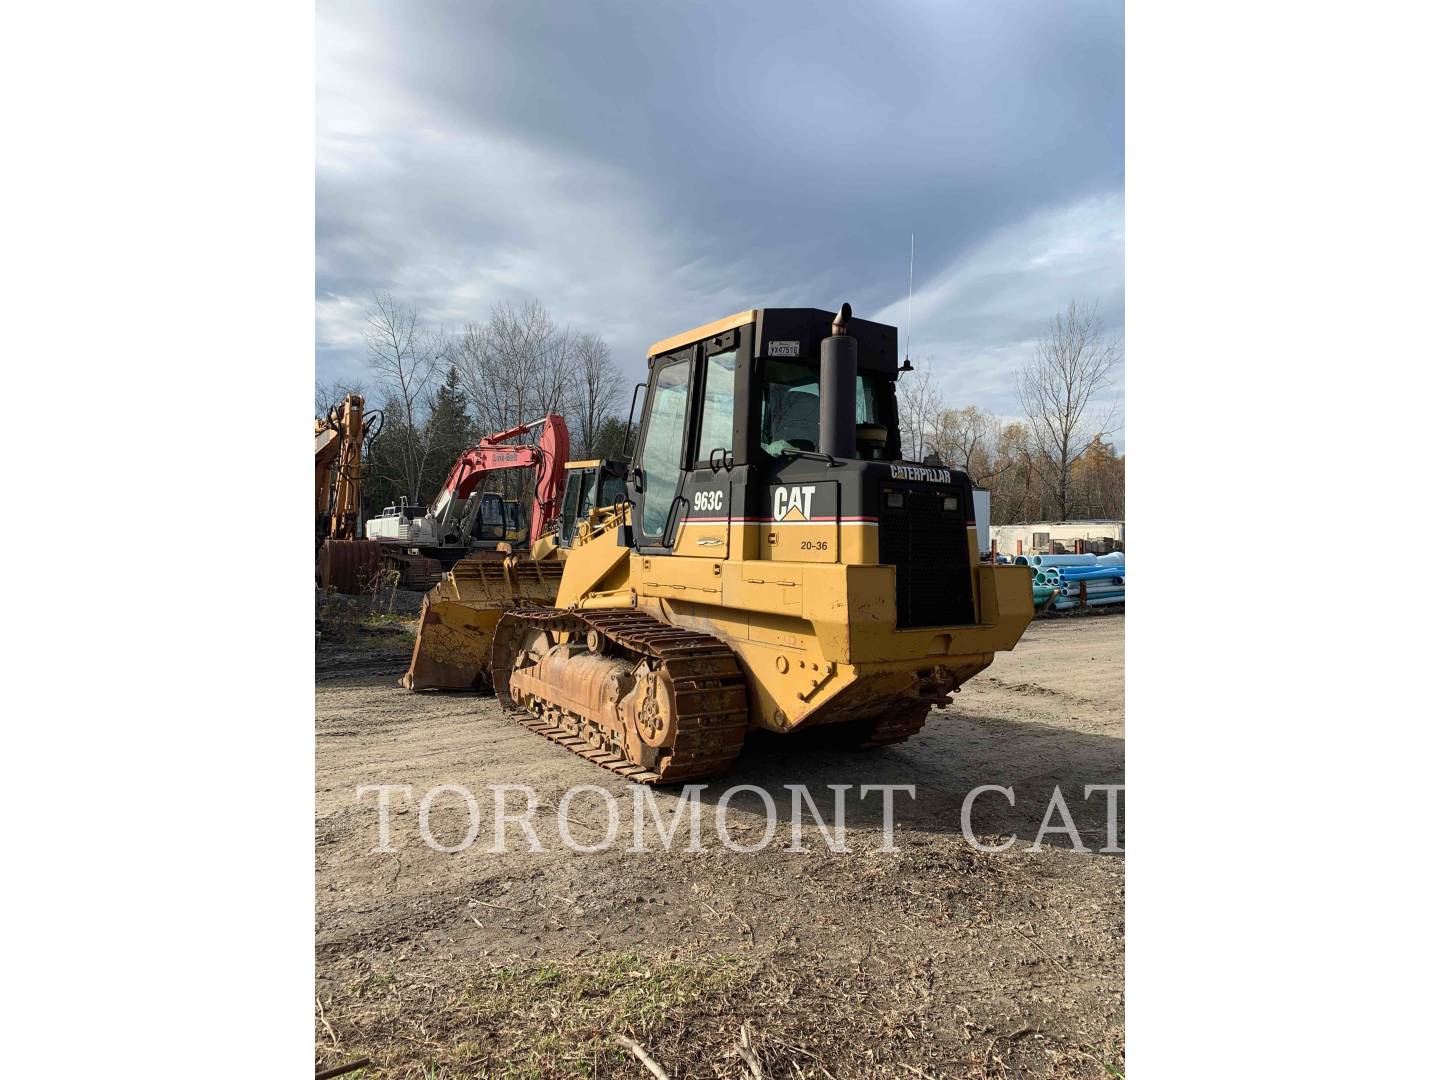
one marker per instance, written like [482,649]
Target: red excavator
[420,543]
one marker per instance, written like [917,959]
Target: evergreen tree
[385,475]
[609,439]
[449,432]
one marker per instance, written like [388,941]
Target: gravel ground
[935,959]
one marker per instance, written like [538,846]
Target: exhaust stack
[839,365]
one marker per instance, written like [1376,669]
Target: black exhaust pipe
[839,365]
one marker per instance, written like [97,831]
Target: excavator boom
[339,466]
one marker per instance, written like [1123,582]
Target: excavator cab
[497,520]
[490,524]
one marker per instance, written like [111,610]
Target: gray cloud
[642,168]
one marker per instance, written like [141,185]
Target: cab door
[662,456]
[704,531]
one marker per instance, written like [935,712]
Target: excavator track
[415,572]
[708,695]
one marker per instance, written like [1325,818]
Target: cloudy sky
[643,167]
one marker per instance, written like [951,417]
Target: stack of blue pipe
[1061,575]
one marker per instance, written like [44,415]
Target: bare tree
[963,437]
[919,404]
[404,354]
[975,432]
[1057,388]
[597,389]
[1014,495]
[331,393]
[516,366]
[485,392]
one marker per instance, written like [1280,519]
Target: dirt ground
[935,960]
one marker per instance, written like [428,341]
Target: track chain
[711,704]
[418,573]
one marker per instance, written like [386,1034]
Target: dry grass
[367,620]
[544,1020]
[535,1020]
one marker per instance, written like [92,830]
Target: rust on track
[703,718]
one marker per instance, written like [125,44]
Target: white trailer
[982,520]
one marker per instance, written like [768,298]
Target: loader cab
[589,486]
[516,527]
[774,435]
[730,405]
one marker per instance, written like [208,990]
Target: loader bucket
[452,649]
[459,616]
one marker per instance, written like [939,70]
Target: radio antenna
[909,307]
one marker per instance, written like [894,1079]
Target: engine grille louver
[927,546]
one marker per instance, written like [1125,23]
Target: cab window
[490,522]
[577,481]
[612,489]
[717,416]
[790,405]
[662,456]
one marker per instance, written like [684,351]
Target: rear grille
[927,546]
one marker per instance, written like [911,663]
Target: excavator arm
[339,466]
[327,449]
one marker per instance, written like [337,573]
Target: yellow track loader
[765,558]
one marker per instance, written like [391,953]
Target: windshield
[790,406]
[490,520]
[492,509]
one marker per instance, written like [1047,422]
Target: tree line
[1055,462]
[442,391]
